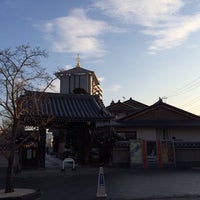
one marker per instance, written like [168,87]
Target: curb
[36,195]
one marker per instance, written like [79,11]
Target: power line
[186,88]
[195,108]
[192,101]
[193,104]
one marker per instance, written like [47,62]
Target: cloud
[113,88]
[66,67]
[100,79]
[143,12]
[175,34]
[166,22]
[77,33]
[56,86]
[163,20]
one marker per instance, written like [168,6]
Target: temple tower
[79,80]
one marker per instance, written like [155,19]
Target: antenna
[164,99]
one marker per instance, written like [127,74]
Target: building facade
[157,136]
[126,133]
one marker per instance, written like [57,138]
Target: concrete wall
[121,157]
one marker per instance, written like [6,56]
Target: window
[127,135]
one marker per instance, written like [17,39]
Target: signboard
[168,152]
[151,153]
[136,152]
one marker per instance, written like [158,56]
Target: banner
[168,152]
[135,152]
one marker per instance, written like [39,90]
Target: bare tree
[20,70]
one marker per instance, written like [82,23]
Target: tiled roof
[76,71]
[72,107]
[130,106]
[160,115]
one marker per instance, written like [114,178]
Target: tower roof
[78,70]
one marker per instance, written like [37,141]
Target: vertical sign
[159,154]
[168,155]
[144,153]
[135,152]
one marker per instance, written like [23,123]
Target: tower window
[79,91]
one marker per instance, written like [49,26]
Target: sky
[144,49]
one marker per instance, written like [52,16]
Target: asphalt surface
[120,183]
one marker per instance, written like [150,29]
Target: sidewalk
[52,161]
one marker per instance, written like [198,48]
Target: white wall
[146,133]
[184,134]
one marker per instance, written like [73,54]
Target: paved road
[120,184]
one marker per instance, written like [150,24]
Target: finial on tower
[78,61]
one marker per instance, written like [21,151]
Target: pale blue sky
[144,49]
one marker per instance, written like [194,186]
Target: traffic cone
[101,190]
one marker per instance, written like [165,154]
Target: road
[120,183]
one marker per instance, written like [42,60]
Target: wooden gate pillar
[41,147]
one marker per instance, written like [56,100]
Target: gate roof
[67,107]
